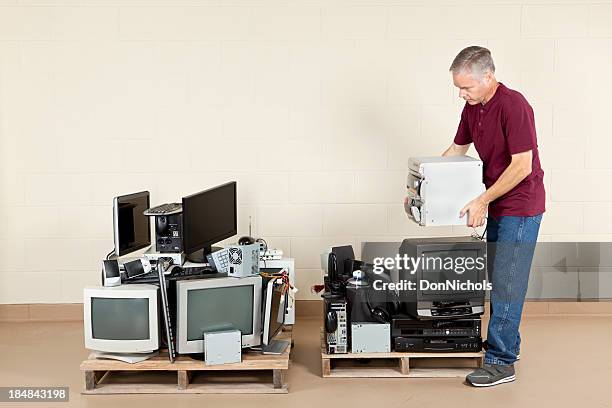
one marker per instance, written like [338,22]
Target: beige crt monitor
[217,304]
[121,319]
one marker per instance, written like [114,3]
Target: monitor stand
[200,255]
[275,347]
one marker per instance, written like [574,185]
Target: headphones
[380,314]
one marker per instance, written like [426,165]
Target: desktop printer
[439,187]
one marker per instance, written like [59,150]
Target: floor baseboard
[304,309]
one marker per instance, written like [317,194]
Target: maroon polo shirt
[504,126]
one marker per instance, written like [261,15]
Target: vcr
[437,344]
[405,326]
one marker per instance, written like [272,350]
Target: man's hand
[477,211]
[407,204]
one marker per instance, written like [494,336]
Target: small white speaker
[110,273]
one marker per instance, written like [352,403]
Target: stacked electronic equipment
[435,319]
[359,318]
[208,310]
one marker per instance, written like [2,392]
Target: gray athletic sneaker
[491,374]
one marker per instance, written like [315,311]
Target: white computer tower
[439,187]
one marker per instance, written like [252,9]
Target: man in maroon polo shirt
[501,124]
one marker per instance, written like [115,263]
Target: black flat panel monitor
[132,229]
[209,216]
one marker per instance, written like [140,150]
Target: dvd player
[406,326]
[437,344]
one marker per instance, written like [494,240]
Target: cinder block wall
[312,106]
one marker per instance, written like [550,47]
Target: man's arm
[456,150]
[517,170]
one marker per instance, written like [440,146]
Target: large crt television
[449,280]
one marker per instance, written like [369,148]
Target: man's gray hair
[474,59]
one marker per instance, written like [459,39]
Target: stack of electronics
[444,319]
[214,318]
[211,310]
[361,317]
[184,235]
[357,317]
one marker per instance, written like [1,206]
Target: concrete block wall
[313,107]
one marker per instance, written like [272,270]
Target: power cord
[476,235]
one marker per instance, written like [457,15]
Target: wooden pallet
[395,364]
[256,374]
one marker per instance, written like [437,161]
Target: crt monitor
[132,229]
[209,216]
[449,279]
[121,319]
[217,304]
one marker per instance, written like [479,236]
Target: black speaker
[169,233]
[110,273]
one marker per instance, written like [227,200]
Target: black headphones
[380,314]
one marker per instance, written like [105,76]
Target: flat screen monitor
[275,310]
[132,229]
[209,216]
[121,319]
[217,304]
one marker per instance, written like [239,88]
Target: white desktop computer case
[439,187]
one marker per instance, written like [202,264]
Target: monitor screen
[216,309]
[132,227]
[440,272]
[209,216]
[120,318]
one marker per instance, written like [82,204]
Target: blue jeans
[511,244]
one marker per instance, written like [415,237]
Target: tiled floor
[566,362]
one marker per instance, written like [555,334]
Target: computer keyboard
[146,276]
[177,274]
[165,209]
[196,270]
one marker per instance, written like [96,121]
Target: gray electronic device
[238,261]
[369,337]
[110,273]
[136,268]
[439,187]
[222,347]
